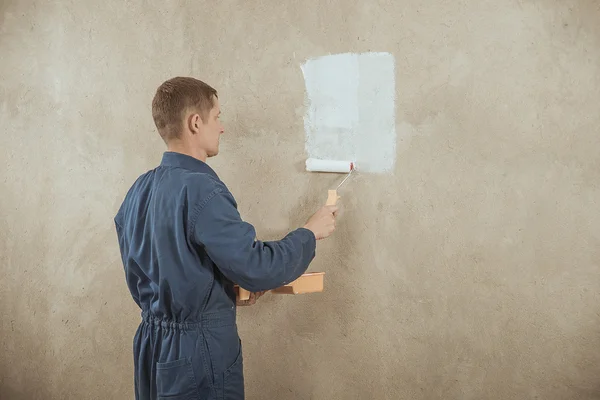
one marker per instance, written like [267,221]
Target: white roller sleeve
[313,164]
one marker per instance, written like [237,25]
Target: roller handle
[332,197]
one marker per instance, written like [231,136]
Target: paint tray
[311,282]
[306,283]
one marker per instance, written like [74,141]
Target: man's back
[183,244]
[167,272]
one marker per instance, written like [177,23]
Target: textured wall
[471,272]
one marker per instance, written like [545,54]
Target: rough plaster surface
[470,272]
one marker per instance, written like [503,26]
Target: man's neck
[179,147]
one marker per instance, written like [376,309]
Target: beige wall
[471,272]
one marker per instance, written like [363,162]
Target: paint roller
[317,165]
[335,166]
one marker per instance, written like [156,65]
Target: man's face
[211,130]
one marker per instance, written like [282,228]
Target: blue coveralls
[183,244]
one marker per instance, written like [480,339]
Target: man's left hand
[251,300]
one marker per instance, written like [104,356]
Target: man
[184,245]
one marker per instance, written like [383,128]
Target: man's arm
[231,244]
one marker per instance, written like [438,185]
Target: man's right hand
[322,223]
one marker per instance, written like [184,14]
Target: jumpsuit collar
[180,160]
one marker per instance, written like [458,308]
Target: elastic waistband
[207,320]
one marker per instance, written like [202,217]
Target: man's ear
[194,121]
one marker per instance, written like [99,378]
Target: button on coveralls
[183,245]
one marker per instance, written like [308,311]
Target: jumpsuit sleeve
[231,244]
[124,249]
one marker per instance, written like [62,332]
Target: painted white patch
[351,112]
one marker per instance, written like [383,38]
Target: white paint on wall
[350,113]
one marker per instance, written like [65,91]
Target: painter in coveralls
[184,245]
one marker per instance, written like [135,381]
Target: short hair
[176,96]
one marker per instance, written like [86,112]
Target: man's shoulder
[138,186]
[199,188]
[199,184]
[192,187]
